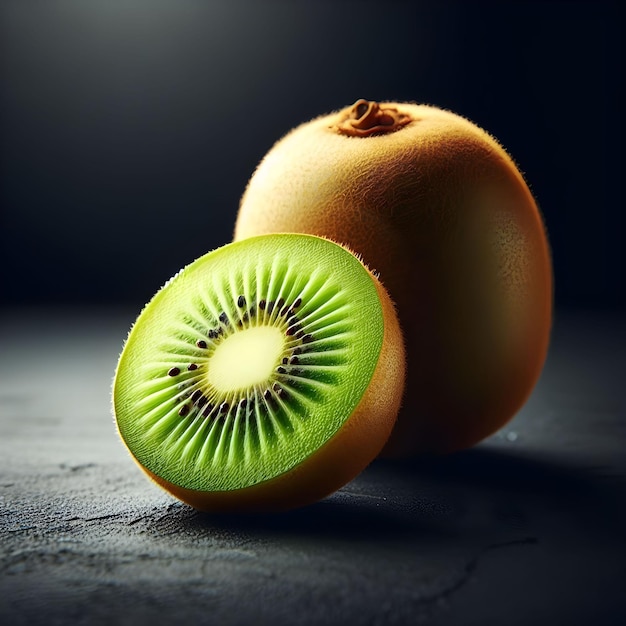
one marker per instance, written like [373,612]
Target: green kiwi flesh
[248,361]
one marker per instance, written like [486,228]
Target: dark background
[130,127]
[128,130]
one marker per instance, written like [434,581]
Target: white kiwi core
[246,358]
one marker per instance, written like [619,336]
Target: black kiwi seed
[294,360]
[285,360]
[241,302]
[202,400]
[270,306]
[242,403]
[196,395]
[192,366]
[307,339]
[207,410]
[201,343]
[224,407]
[173,371]
[297,350]
[184,410]
[268,394]
[262,305]
[281,303]
[278,390]
[281,370]
[252,311]
[297,303]
[224,319]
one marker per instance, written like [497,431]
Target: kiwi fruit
[438,208]
[263,376]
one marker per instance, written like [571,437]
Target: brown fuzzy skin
[441,211]
[341,459]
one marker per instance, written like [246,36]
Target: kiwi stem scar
[366,118]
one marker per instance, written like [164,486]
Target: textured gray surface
[526,528]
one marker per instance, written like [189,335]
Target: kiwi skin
[339,460]
[441,211]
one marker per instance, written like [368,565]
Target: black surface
[526,528]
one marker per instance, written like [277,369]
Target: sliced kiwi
[240,376]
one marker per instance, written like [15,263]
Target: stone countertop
[526,528]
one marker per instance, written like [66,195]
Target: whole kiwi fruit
[438,208]
[263,376]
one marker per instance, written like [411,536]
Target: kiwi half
[264,375]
